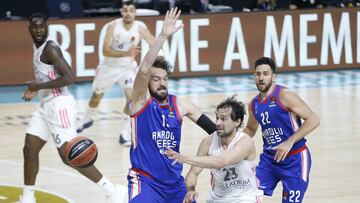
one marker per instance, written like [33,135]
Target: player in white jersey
[230,155]
[118,66]
[55,115]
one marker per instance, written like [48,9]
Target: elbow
[70,80]
[317,121]
[106,52]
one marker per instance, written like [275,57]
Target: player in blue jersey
[156,119]
[285,120]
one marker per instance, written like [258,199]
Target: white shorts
[55,118]
[106,76]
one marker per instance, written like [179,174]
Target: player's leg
[31,150]
[128,94]
[104,80]
[37,134]
[114,193]
[125,132]
[296,177]
[140,190]
[61,120]
[177,194]
[127,82]
[265,175]
[88,119]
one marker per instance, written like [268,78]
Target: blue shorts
[293,173]
[143,188]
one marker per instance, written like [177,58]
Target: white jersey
[123,40]
[45,73]
[233,183]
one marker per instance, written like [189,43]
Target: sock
[126,132]
[28,192]
[90,113]
[106,185]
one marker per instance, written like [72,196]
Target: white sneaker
[83,124]
[119,196]
[33,200]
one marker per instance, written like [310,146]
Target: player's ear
[274,77]
[238,123]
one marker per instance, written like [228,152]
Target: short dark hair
[237,108]
[37,15]
[127,3]
[267,61]
[162,63]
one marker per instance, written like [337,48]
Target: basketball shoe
[83,124]
[26,200]
[123,140]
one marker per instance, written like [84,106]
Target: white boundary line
[45,169]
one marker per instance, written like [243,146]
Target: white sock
[28,192]
[126,132]
[90,113]
[106,185]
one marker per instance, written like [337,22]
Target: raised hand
[169,27]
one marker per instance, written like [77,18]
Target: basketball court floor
[333,95]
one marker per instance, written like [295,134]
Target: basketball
[81,152]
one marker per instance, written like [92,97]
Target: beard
[223,133]
[160,97]
[265,89]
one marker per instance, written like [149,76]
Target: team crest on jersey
[285,195]
[171,112]
[272,102]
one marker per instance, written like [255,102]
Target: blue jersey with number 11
[277,122]
[155,127]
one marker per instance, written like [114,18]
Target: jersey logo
[171,112]
[272,102]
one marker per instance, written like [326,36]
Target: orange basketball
[81,152]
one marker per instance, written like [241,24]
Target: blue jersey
[277,122]
[155,127]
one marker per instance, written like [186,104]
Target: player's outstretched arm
[143,75]
[193,112]
[242,150]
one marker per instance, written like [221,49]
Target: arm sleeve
[206,123]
